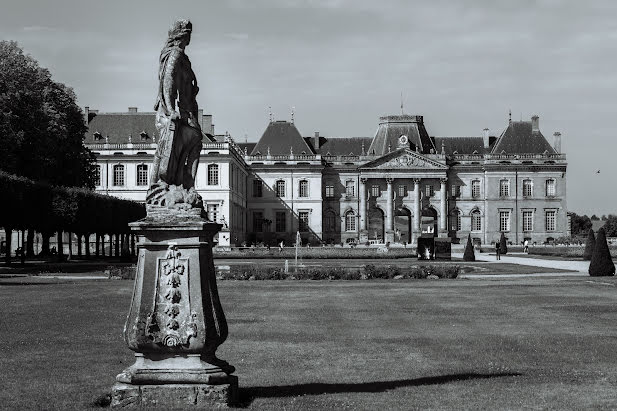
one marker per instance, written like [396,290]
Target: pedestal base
[175,396]
[389,237]
[363,236]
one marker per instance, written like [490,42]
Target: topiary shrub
[469,253]
[503,246]
[601,261]
[590,245]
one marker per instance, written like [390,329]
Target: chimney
[200,118]
[87,114]
[535,124]
[132,109]
[206,124]
[316,140]
[485,137]
[557,141]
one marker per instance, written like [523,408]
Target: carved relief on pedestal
[171,323]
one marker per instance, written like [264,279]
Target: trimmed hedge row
[368,272]
[316,252]
[27,204]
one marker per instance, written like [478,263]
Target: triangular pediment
[404,159]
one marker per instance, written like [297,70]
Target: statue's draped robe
[177,154]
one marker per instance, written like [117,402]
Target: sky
[344,63]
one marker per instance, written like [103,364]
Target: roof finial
[510,116]
[443,147]
[270,110]
[268,154]
[363,153]
[246,138]
[402,102]
[292,114]
[389,148]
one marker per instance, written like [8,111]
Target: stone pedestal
[389,237]
[176,321]
[363,236]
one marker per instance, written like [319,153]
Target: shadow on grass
[248,394]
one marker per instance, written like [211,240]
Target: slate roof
[281,137]
[461,145]
[118,126]
[249,146]
[518,138]
[340,146]
[392,127]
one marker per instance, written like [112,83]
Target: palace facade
[392,187]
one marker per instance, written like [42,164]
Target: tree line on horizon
[581,224]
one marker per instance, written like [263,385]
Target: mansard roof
[519,138]
[340,146]
[280,137]
[391,128]
[116,127]
[460,145]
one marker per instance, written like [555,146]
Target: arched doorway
[376,226]
[429,221]
[402,225]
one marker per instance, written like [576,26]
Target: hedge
[368,272]
[27,204]
[306,253]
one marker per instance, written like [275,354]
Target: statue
[177,156]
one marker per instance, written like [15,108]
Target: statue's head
[180,31]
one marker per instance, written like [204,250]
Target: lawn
[442,344]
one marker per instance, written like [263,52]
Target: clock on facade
[402,140]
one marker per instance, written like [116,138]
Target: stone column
[389,212]
[443,211]
[363,212]
[417,213]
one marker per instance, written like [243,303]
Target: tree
[580,224]
[469,254]
[610,226]
[590,245]
[601,261]
[594,218]
[41,126]
[503,247]
[604,217]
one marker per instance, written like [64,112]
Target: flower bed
[368,272]
[316,252]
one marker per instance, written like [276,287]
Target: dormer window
[143,135]
[97,136]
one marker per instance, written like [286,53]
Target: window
[213,174]
[527,220]
[402,190]
[118,175]
[350,221]
[375,191]
[550,219]
[527,188]
[97,175]
[475,188]
[281,222]
[213,211]
[504,221]
[303,189]
[329,191]
[280,188]
[504,188]
[257,188]
[350,188]
[142,175]
[329,222]
[550,188]
[476,221]
[258,221]
[430,190]
[456,220]
[456,190]
[303,218]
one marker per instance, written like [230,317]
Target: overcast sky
[343,63]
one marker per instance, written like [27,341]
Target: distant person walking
[526,246]
[497,251]
[281,245]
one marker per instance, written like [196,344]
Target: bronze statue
[177,155]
